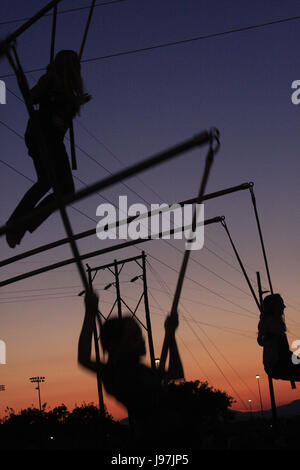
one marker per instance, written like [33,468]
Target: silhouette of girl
[59,94]
[138,387]
[277,357]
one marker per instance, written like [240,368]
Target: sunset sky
[145,102]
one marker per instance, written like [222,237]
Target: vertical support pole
[271,388]
[97,354]
[272,397]
[147,313]
[118,289]
[39,393]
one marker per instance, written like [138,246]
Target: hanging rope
[24,88]
[240,263]
[260,235]
[72,146]
[253,199]
[72,138]
[87,28]
[53,34]
[214,136]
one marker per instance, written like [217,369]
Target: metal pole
[85,234]
[261,237]
[93,231]
[71,129]
[241,264]
[164,156]
[117,284]
[147,313]
[52,49]
[39,393]
[271,388]
[116,263]
[92,254]
[87,28]
[13,36]
[208,164]
[97,354]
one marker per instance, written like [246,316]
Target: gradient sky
[144,103]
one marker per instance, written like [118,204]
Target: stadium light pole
[38,380]
[250,404]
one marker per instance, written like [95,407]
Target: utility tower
[119,303]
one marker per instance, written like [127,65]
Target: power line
[201,285]
[212,272]
[226,360]
[225,329]
[134,192]
[86,154]
[138,195]
[32,298]
[185,345]
[211,251]
[211,357]
[164,240]
[115,156]
[199,302]
[61,12]
[168,243]
[82,214]
[207,288]
[178,42]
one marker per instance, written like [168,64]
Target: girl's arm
[87,332]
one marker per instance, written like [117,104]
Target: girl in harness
[277,357]
[59,94]
[138,387]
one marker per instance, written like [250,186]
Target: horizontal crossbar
[92,231]
[198,140]
[109,249]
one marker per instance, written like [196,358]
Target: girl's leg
[30,199]
[64,180]
[27,204]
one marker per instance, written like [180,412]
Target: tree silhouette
[203,412]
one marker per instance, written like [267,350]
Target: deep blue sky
[143,103]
